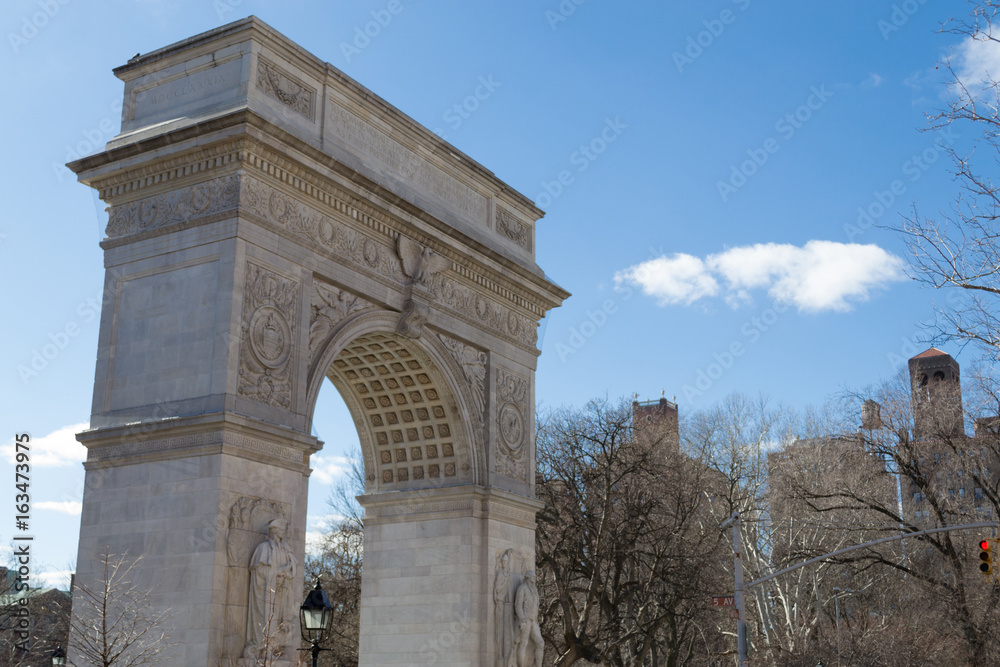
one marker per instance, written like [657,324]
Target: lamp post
[315,615]
[58,657]
[836,598]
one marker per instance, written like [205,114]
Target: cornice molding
[243,143]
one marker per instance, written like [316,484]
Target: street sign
[734,613]
[723,601]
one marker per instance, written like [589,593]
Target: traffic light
[986,557]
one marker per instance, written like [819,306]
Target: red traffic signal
[986,556]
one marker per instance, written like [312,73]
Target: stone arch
[272,223]
[419,423]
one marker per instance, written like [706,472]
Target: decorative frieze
[477,308]
[319,231]
[182,442]
[268,337]
[181,205]
[432,270]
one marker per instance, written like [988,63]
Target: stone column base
[429,563]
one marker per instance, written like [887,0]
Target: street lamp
[58,657]
[315,615]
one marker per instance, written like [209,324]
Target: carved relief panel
[512,427]
[268,337]
[328,308]
[473,364]
[247,527]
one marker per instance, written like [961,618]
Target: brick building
[956,473]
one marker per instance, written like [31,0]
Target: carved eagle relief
[420,263]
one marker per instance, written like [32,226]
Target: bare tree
[944,478]
[337,564]
[772,458]
[960,248]
[622,542]
[113,624]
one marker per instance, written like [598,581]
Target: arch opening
[412,422]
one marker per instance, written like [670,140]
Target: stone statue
[528,631]
[269,616]
[503,612]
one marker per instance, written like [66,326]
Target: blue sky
[712,173]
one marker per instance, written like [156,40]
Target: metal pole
[741,607]
[836,599]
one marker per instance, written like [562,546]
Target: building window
[951,493]
[961,493]
[979,493]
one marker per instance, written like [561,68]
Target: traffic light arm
[902,536]
[742,587]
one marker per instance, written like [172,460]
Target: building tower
[656,422]
[936,395]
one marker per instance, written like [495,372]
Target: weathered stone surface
[272,224]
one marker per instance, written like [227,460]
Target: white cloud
[678,279]
[58,448]
[977,63]
[71,507]
[53,579]
[873,81]
[314,542]
[819,276]
[326,469]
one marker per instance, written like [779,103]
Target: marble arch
[273,223]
